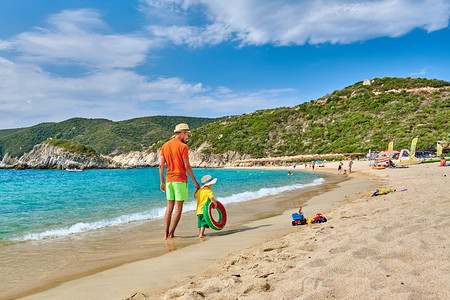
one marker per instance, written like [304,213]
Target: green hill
[104,136]
[4,132]
[355,119]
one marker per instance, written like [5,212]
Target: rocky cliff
[203,157]
[199,158]
[45,156]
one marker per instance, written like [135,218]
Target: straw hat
[207,180]
[183,127]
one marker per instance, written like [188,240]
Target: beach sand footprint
[364,252]
[318,262]
[340,249]
[137,296]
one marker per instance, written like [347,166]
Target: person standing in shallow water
[174,155]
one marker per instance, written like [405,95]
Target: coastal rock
[136,159]
[202,157]
[367,82]
[8,161]
[45,156]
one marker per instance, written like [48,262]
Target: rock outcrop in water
[45,156]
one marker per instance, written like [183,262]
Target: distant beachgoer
[340,168]
[203,195]
[305,165]
[345,172]
[313,165]
[443,162]
[174,155]
[350,164]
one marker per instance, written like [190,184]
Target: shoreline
[243,235]
[73,257]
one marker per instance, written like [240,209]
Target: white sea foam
[84,227]
[246,196]
[159,213]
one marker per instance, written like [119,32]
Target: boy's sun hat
[207,180]
[183,127]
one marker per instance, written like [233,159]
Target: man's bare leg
[176,217]
[168,217]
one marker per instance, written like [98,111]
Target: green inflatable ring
[207,214]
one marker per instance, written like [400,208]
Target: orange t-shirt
[174,151]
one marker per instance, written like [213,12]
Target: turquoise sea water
[44,204]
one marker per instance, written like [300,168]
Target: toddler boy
[202,195]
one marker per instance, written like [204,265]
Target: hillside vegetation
[354,119]
[105,136]
[72,147]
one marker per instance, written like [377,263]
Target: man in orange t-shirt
[174,155]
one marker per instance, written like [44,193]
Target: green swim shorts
[177,191]
[201,222]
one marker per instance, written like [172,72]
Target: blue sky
[122,59]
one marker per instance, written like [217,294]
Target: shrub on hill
[72,147]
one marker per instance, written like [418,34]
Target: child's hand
[214,204]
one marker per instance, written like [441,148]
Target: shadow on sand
[225,232]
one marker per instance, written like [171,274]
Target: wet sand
[147,263]
[35,266]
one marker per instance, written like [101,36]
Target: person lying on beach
[202,195]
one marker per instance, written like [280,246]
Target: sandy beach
[389,246]
[35,266]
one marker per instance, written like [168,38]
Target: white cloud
[193,36]
[28,96]
[224,101]
[73,37]
[5,45]
[287,22]
[422,72]
[167,12]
